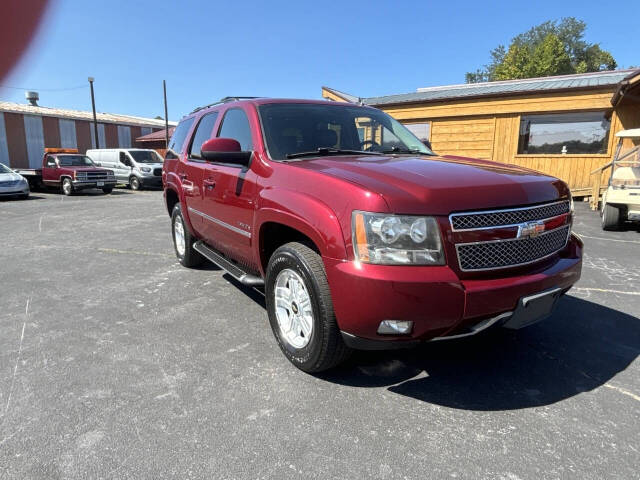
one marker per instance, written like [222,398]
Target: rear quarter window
[176,144]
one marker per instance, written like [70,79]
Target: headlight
[570,202]
[396,239]
[145,169]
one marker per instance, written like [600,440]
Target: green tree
[551,48]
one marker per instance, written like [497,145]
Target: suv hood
[441,185]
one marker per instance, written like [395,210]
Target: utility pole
[166,115]
[95,120]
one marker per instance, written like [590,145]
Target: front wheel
[135,183]
[610,217]
[183,241]
[300,309]
[67,186]
[108,190]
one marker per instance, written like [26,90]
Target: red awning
[155,136]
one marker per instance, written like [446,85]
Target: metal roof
[81,115]
[592,80]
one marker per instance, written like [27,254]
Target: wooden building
[562,125]
[25,131]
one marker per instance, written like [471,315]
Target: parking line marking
[623,391]
[133,252]
[604,290]
[609,239]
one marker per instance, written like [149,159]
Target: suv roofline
[267,100]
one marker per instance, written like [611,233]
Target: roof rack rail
[222,100]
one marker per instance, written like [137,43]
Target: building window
[565,133]
[420,130]
[124,136]
[35,140]
[4,147]
[145,131]
[102,138]
[67,133]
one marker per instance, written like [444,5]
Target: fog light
[395,327]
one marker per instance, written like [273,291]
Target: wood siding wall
[464,137]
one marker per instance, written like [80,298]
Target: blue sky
[206,49]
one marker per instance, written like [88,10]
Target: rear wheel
[135,183]
[67,186]
[183,240]
[300,309]
[610,216]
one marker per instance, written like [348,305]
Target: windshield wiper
[403,150]
[323,152]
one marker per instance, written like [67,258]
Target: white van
[135,167]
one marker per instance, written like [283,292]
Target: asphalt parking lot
[116,362]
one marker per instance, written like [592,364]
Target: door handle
[210,184]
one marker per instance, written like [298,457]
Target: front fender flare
[304,213]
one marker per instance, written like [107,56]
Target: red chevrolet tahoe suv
[359,234]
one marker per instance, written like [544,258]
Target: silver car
[12,184]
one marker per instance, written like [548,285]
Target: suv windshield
[295,129]
[4,169]
[74,161]
[145,156]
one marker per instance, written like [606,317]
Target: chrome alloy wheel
[66,187]
[293,308]
[178,235]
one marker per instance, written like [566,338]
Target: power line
[46,89]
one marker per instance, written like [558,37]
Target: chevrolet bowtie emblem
[530,229]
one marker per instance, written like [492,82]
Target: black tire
[325,348]
[135,183]
[107,190]
[67,186]
[610,217]
[190,258]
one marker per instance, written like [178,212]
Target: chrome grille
[510,253]
[502,218]
[98,175]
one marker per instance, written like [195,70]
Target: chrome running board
[228,266]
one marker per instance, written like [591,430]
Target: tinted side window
[203,133]
[51,161]
[177,139]
[236,125]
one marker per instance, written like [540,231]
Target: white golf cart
[621,199]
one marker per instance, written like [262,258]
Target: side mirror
[225,150]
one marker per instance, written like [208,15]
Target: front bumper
[151,181]
[438,302]
[14,190]
[85,184]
